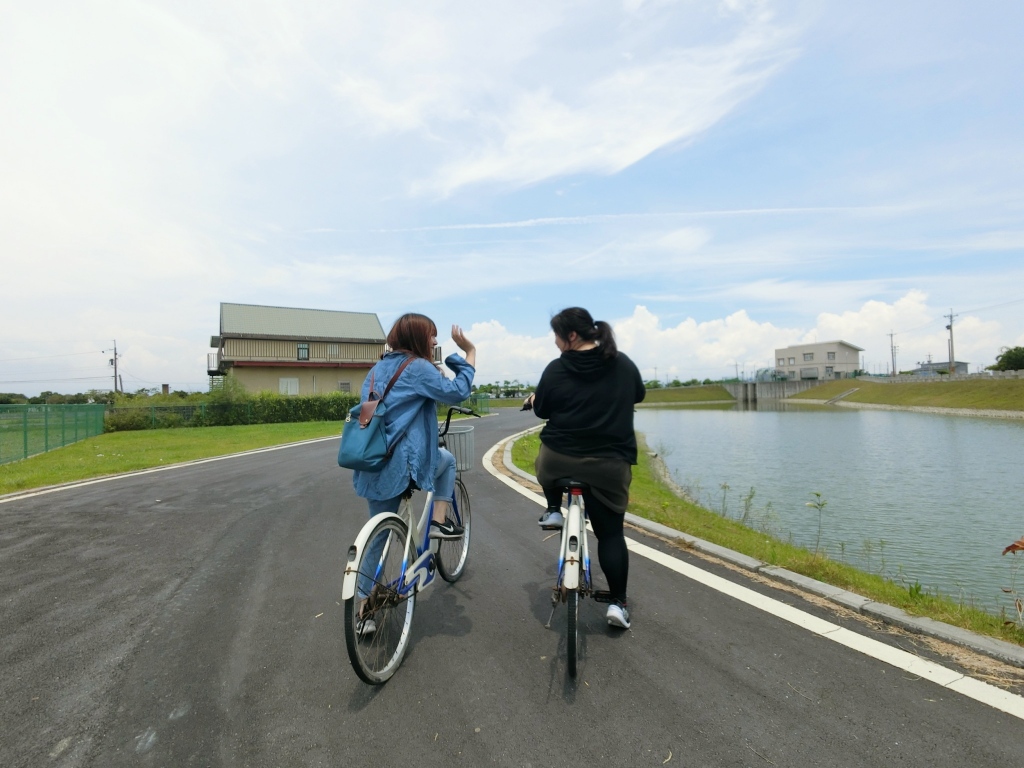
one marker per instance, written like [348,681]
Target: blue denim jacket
[412,410]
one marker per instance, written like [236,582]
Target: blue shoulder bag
[364,444]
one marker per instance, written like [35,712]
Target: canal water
[917,497]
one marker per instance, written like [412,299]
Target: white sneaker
[551,520]
[365,627]
[618,615]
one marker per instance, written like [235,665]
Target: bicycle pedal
[601,596]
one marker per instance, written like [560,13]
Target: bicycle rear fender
[348,587]
[572,549]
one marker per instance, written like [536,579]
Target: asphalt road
[191,617]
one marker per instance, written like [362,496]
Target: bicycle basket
[460,442]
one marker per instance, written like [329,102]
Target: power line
[996,306]
[979,309]
[54,381]
[50,357]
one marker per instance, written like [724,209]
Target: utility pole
[893,347]
[952,355]
[113,362]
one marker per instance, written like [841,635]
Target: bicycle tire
[376,656]
[572,645]
[452,555]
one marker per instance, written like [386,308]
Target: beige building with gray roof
[295,351]
[819,360]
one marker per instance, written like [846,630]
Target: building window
[792,374]
[828,371]
[831,355]
[808,356]
[303,351]
[288,386]
[782,361]
[344,386]
[792,361]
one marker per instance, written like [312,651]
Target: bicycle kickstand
[555,600]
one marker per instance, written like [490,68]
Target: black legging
[611,541]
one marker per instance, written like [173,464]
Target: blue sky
[717,179]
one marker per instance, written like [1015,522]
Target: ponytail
[578,320]
[606,340]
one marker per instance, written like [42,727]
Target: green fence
[26,430]
[481,403]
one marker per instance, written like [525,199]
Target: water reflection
[918,497]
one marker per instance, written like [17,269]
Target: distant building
[934,369]
[821,360]
[295,351]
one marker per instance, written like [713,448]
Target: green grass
[707,393]
[506,402]
[115,452]
[651,499]
[995,394]
[667,396]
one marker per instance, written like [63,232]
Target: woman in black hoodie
[587,395]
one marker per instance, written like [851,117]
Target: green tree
[1009,359]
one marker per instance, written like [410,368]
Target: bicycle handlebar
[456,409]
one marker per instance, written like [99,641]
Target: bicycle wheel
[572,642]
[452,555]
[377,629]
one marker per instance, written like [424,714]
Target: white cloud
[719,348]
[920,333]
[615,120]
[712,349]
[504,356]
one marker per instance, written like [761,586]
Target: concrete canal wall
[752,391]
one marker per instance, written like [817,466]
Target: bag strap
[394,378]
[367,409]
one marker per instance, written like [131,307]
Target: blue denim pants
[444,487]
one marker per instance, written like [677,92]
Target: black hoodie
[588,402]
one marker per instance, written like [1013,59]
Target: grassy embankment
[651,499]
[994,394]
[711,393]
[116,452]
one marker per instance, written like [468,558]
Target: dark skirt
[608,479]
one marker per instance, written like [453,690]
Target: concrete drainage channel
[990,646]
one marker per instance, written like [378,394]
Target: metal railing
[26,430]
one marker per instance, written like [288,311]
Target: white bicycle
[392,560]
[573,581]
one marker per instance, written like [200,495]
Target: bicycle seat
[568,482]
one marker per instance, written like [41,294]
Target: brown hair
[411,333]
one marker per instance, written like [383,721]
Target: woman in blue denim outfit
[411,424]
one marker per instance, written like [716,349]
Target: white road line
[179,465]
[981,692]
